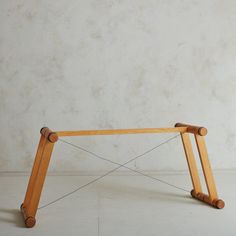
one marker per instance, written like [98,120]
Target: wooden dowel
[206,167]
[121,131]
[217,203]
[41,175]
[191,162]
[29,220]
[202,131]
[34,171]
[48,134]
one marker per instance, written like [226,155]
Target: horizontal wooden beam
[122,131]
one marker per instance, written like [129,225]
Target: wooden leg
[34,172]
[212,199]
[30,205]
[34,201]
[191,162]
[201,146]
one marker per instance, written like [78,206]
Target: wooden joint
[29,220]
[217,203]
[202,131]
[49,135]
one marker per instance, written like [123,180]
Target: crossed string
[113,170]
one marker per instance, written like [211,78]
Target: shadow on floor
[12,216]
[140,193]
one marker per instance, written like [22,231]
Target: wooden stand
[48,138]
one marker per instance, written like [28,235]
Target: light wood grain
[191,162]
[206,167]
[42,171]
[34,171]
[121,131]
[193,129]
[217,203]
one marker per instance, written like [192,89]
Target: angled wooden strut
[212,197]
[30,205]
[48,138]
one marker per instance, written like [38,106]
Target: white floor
[119,205]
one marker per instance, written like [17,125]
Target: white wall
[116,64]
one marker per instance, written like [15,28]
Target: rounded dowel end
[48,134]
[178,124]
[202,131]
[52,137]
[30,222]
[219,204]
[192,192]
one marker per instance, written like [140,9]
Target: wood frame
[48,138]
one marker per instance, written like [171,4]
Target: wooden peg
[29,220]
[38,175]
[191,162]
[48,134]
[202,131]
[217,203]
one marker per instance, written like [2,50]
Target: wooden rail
[121,131]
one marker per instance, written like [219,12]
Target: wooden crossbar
[121,131]
[49,138]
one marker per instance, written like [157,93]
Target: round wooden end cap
[42,129]
[202,131]
[192,193]
[220,204]
[30,222]
[52,137]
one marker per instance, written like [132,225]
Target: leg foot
[192,193]
[30,222]
[217,203]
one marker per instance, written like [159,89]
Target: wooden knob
[52,137]
[30,222]
[192,193]
[202,131]
[47,133]
[219,204]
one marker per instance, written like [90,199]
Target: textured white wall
[116,64]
